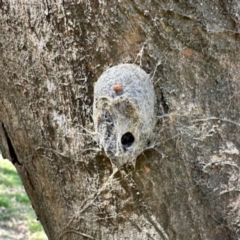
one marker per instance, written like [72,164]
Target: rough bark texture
[187,185]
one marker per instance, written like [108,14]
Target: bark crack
[12,152]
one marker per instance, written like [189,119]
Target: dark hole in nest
[127,139]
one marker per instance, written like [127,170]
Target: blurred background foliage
[17,218]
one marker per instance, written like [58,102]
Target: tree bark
[187,185]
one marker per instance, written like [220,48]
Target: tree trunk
[185,187]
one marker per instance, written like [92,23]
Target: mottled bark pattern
[187,185]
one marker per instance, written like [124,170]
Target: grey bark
[187,185]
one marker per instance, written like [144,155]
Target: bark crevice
[13,155]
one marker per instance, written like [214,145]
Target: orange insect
[118,87]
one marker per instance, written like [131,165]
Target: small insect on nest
[118,87]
